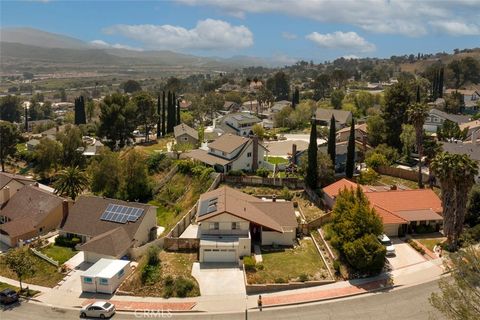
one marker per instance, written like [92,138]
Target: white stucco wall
[243,162]
[225,225]
[93,257]
[391,229]
[283,239]
[149,221]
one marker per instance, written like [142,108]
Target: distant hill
[39,38]
[421,65]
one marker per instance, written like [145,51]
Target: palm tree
[70,182]
[456,174]
[417,113]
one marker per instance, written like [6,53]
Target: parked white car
[98,309]
[387,243]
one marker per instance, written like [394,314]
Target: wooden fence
[291,183]
[402,173]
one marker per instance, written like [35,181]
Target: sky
[284,30]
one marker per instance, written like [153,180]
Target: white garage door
[219,255]
[390,229]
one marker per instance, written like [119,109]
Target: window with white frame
[214,226]
[235,225]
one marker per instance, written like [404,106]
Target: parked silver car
[98,309]
[387,243]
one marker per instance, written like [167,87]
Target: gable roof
[361,127]
[5,179]
[341,116]
[182,129]
[334,189]
[228,142]
[113,243]
[84,217]
[472,150]
[241,118]
[458,118]
[277,216]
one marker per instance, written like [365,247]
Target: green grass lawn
[290,264]
[46,274]
[31,293]
[429,241]
[161,145]
[276,160]
[61,254]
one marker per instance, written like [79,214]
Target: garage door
[390,229]
[219,255]
[5,239]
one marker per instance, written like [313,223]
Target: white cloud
[208,34]
[351,57]
[350,41]
[456,28]
[289,36]
[103,44]
[410,18]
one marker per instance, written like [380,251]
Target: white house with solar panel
[109,228]
[240,123]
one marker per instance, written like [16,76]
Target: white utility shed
[105,276]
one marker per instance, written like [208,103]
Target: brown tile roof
[278,216]
[205,157]
[84,217]
[112,243]
[31,202]
[228,142]
[5,178]
[361,127]
[184,129]
[341,116]
[418,215]
[18,227]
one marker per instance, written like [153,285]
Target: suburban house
[341,151]
[342,118]
[28,213]
[230,106]
[360,133]
[471,99]
[230,152]
[185,105]
[92,148]
[185,134]
[401,210]
[108,228]
[473,129]
[472,149]
[251,106]
[279,106]
[436,118]
[105,276]
[240,123]
[10,183]
[230,222]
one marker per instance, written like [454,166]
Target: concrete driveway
[405,255]
[216,279]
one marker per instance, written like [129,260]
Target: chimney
[6,194]
[255,153]
[65,210]
[294,152]
[274,198]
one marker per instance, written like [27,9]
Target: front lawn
[301,263]
[60,254]
[174,267]
[430,241]
[275,160]
[161,145]
[30,293]
[46,274]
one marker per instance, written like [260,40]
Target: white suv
[387,243]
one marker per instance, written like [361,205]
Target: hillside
[421,65]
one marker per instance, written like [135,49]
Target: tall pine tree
[440,83]
[170,113]
[80,117]
[159,112]
[331,141]
[311,177]
[350,166]
[418,95]
[164,114]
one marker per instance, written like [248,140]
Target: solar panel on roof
[121,214]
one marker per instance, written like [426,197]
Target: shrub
[168,286]
[236,173]
[249,263]
[303,277]
[280,280]
[149,274]
[368,176]
[424,229]
[62,241]
[157,162]
[415,246]
[375,160]
[286,194]
[262,172]
[365,254]
[183,287]
[185,166]
[336,266]
[153,258]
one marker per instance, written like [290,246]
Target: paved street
[406,303]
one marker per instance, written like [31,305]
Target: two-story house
[342,118]
[185,134]
[240,123]
[436,118]
[230,152]
[230,222]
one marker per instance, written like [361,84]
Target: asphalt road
[409,303]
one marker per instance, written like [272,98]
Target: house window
[249,155]
[87,280]
[235,225]
[121,273]
[185,138]
[103,281]
[214,226]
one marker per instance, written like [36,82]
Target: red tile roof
[334,189]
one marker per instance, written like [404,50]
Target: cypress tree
[440,83]
[179,120]
[434,86]
[418,94]
[297,96]
[170,113]
[79,112]
[174,109]
[159,122]
[163,114]
[331,141]
[311,178]
[350,166]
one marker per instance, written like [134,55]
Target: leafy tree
[90,110]
[180,148]
[332,140]
[368,176]
[131,86]
[350,165]
[105,171]
[454,102]
[473,206]
[311,174]
[465,70]
[9,137]
[259,131]
[451,130]
[265,96]
[21,263]
[376,130]
[117,120]
[235,96]
[389,153]
[135,184]
[336,98]
[456,173]
[10,108]
[164,111]
[364,101]
[146,113]
[47,156]
[397,100]
[326,172]
[70,182]
[214,102]
[281,118]
[365,254]
[375,160]
[321,87]
[459,297]
[62,94]
[71,140]
[279,86]
[407,137]
[187,118]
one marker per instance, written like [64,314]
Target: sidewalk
[24,285]
[146,306]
